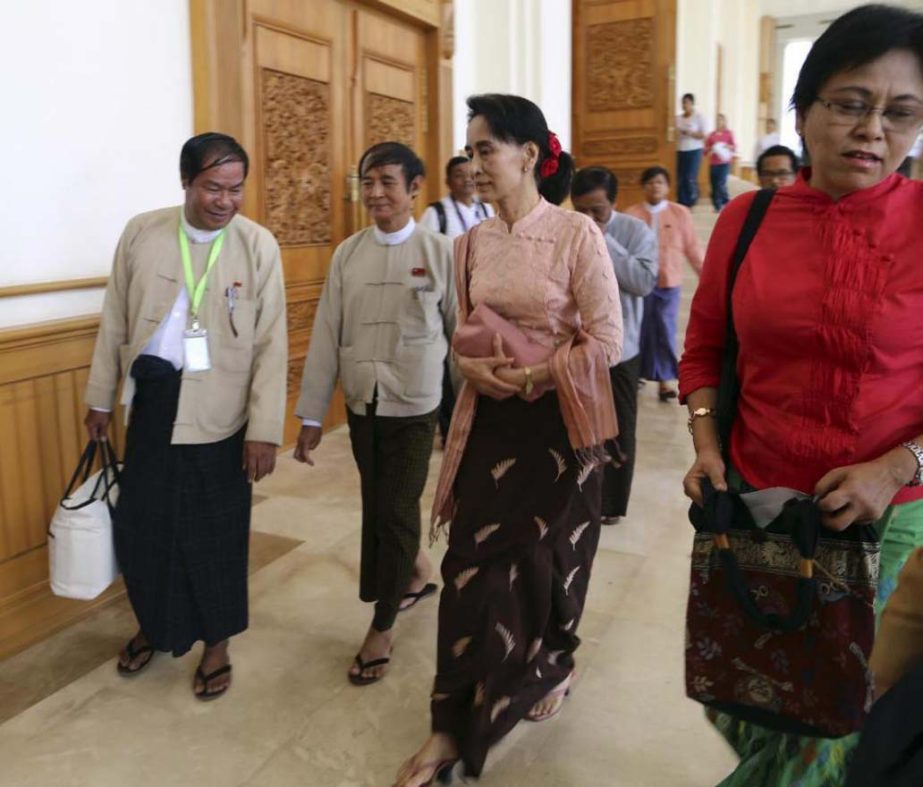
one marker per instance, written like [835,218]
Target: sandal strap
[206,679]
[133,654]
[437,768]
[426,590]
[364,665]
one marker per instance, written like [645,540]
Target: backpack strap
[440,213]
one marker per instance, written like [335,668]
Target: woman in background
[720,145]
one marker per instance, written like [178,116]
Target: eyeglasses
[770,174]
[900,117]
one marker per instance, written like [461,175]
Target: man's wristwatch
[699,412]
[529,385]
[917,451]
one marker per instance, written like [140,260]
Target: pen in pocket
[231,293]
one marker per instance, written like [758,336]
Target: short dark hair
[385,153]
[209,150]
[858,37]
[516,119]
[776,150]
[652,172]
[591,178]
[454,162]
[689,96]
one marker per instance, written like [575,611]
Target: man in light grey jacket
[633,249]
[383,326]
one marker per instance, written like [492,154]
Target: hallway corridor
[291,718]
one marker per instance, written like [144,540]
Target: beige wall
[101,96]
[514,46]
[735,25]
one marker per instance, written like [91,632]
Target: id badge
[195,350]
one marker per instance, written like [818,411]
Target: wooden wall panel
[623,91]
[43,372]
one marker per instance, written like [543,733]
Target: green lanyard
[197,291]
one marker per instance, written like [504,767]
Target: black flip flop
[125,670]
[359,680]
[428,590]
[205,695]
[667,394]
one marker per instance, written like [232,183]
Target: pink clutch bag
[475,339]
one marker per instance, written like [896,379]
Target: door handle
[352,185]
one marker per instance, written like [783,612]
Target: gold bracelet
[699,412]
[530,385]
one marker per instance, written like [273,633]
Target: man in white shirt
[768,140]
[690,127]
[454,215]
[460,209]
[382,328]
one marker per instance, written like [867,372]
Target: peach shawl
[580,373]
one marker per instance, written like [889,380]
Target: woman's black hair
[689,96]
[858,37]
[209,150]
[516,119]
[385,153]
[591,178]
[454,162]
[652,172]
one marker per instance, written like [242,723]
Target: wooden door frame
[219,73]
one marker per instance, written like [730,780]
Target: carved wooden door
[623,87]
[308,85]
[388,62]
[297,119]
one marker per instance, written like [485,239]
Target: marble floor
[293,719]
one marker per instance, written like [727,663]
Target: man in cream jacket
[193,325]
[382,328]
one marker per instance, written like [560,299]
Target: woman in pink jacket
[521,478]
[676,239]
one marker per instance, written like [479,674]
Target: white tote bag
[81,553]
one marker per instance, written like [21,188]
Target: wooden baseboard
[36,613]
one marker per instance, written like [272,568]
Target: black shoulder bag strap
[440,213]
[729,388]
[806,527]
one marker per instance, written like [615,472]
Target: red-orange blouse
[829,310]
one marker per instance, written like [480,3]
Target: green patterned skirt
[775,759]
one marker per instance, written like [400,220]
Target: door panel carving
[390,119]
[619,59]
[296,160]
[623,102]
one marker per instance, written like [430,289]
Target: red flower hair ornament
[550,164]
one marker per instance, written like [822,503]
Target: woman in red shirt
[828,307]
[720,147]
